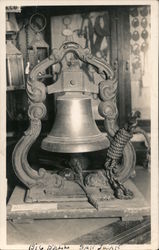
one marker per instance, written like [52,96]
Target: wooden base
[19,210]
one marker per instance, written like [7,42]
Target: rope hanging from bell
[114,155]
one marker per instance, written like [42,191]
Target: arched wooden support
[36,92]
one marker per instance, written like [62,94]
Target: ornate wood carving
[139,130]
[84,55]
[107,88]
[36,111]
[42,180]
[108,109]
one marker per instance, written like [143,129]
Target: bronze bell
[74,129]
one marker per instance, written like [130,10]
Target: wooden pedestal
[20,211]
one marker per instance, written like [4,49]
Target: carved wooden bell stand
[99,194]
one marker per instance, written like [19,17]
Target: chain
[27,46]
[115,153]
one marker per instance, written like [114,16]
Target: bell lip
[68,140]
[76,146]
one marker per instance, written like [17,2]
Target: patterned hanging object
[140,35]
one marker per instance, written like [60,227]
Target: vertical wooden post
[120,59]
[124,64]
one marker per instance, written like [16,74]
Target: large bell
[74,129]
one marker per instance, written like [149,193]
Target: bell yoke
[74,129]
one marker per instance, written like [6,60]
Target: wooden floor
[84,231]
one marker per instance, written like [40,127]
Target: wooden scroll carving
[37,91]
